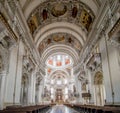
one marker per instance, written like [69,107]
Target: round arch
[64,72]
[30,6]
[60,27]
[63,49]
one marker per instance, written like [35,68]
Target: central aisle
[62,109]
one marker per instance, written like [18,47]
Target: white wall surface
[111,71]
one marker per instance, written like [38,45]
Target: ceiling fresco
[53,11]
[58,9]
[60,38]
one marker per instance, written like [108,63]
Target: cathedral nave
[60,56]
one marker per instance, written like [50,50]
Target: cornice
[6,24]
[114,29]
[22,28]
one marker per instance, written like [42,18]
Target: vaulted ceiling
[59,26]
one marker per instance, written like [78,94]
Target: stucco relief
[85,19]
[4,58]
[59,9]
[49,12]
[60,39]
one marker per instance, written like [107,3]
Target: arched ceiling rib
[58,27]
[60,38]
[62,72]
[60,49]
[44,19]
[63,11]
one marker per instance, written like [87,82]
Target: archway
[58,86]
[99,89]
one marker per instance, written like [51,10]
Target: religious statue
[74,11]
[45,14]
[32,26]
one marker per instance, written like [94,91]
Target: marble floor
[61,109]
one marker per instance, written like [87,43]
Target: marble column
[40,94]
[79,91]
[106,71]
[78,87]
[31,89]
[115,73]
[91,86]
[110,66]
[2,89]
[19,73]
[11,77]
[13,84]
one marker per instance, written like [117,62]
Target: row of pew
[27,109]
[94,109]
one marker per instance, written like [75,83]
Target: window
[59,61]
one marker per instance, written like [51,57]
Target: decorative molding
[73,11]
[114,33]
[4,54]
[20,28]
[4,21]
[61,38]
[101,27]
[94,61]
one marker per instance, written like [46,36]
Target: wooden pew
[95,109]
[26,109]
[111,109]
